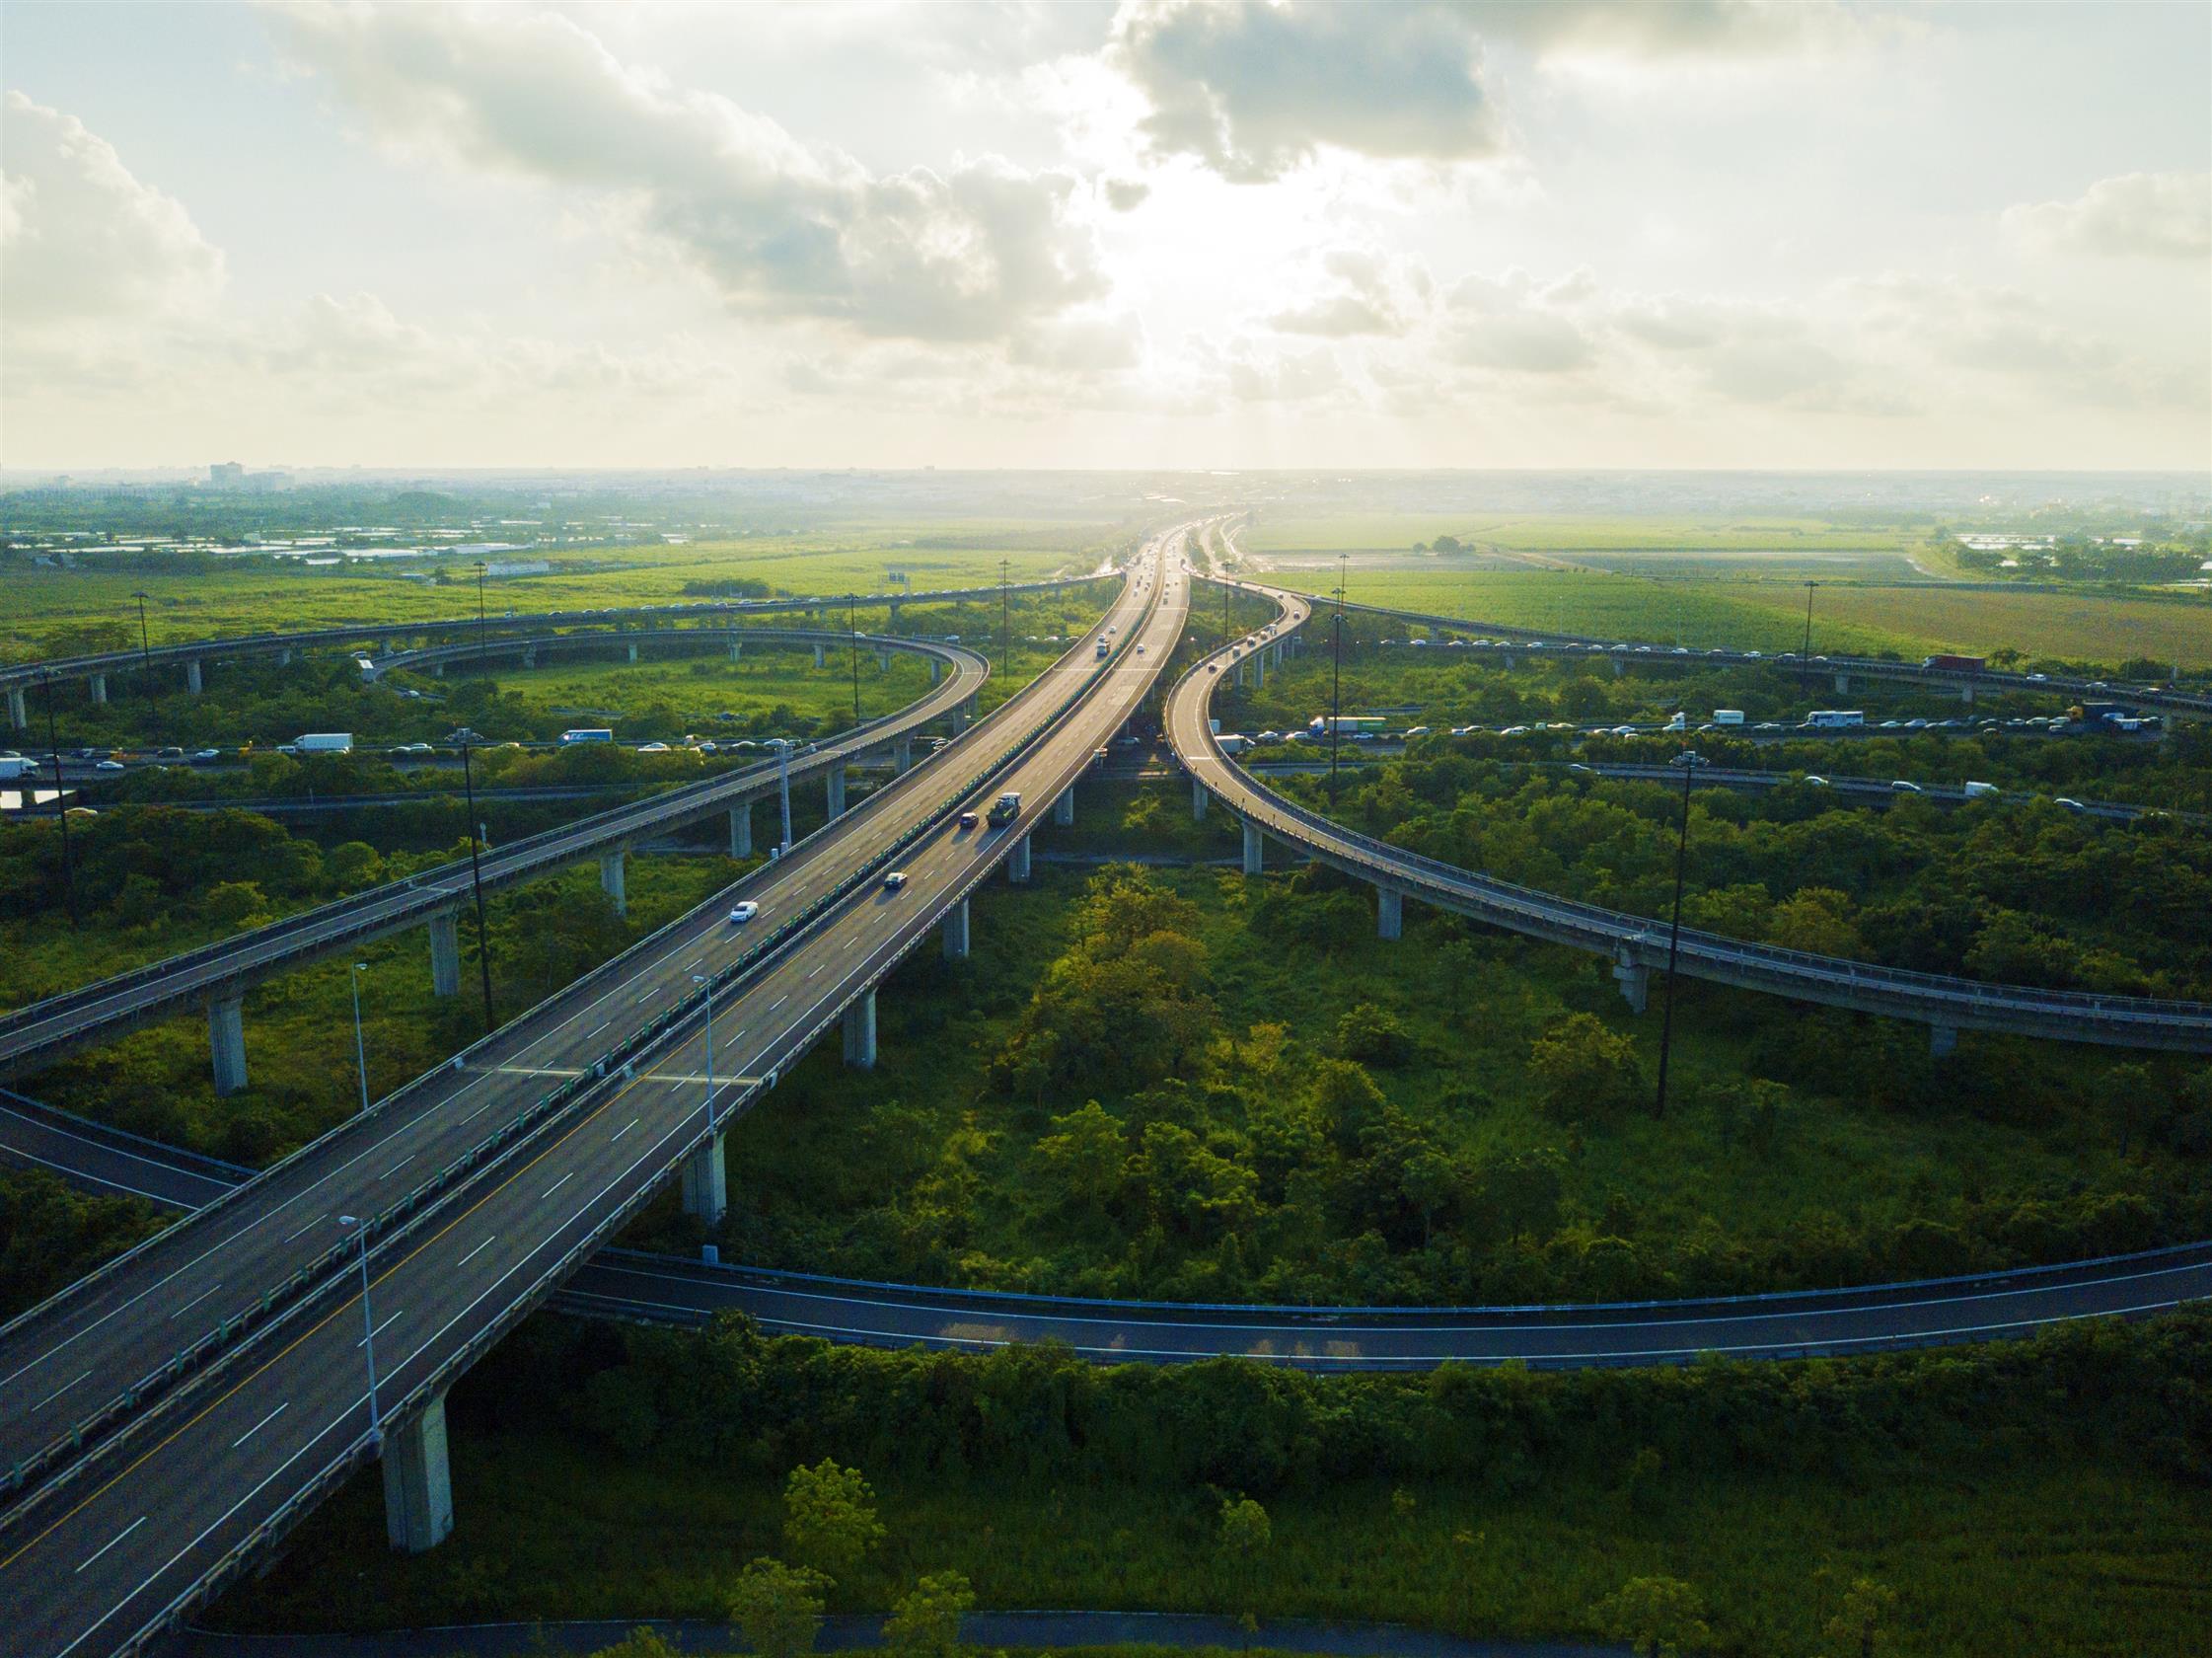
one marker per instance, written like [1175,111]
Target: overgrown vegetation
[2041,1494]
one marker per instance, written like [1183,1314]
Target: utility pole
[60,804]
[1689,760]
[481,572]
[368,1328]
[360,1051]
[853,649]
[1335,682]
[1005,619]
[783,786]
[145,648]
[1224,613]
[1804,656]
[706,980]
[476,879]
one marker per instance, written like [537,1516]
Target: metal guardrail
[1593,927]
[398,1218]
[401,902]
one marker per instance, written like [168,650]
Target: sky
[1159,233]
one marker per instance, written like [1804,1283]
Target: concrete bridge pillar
[1064,808]
[445,952]
[1508,660]
[1635,980]
[284,658]
[437,670]
[1943,1040]
[1619,668]
[859,1033]
[99,688]
[418,1482]
[902,757]
[530,657]
[1389,912]
[19,713]
[936,670]
[819,657]
[737,650]
[610,880]
[707,1191]
[1017,860]
[1199,798]
[883,661]
[1843,685]
[1253,858]
[895,615]
[956,932]
[741,830]
[835,777]
[633,651]
[191,676]
[1966,692]
[1259,670]
[226,1037]
[968,708]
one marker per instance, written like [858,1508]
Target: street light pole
[1689,760]
[853,649]
[368,1330]
[60,804]
[783,788]
[708,983]
[1804,656]
[360,1052]
[1336,680]
[476,879]
[481,572]
[145,646]
[1005,617]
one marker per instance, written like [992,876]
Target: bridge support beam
[883,661]
[437,670]
[1389,912]
[226,1037]
[902,757]
[445,952]
[737,650]
[284,658]
[191,676]
[610,880]
[835,777]
[819,655]
[418,1482]
[633,651]
[1199,797]
[1064,808]
[1619,668]
[1509,661]
[1966,692]
[1017,860]
[19,713]
[530,657]
[859,1033]
[1843,685]
[1253,857]
[741,830]
[99,688]
[1943,1040]
[1635,980]
[707,1191]
[956,932]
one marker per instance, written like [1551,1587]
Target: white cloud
[2156,215]
[1253,88]
[781,229]
[82,239]
[1356,290]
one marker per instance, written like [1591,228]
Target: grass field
[257,595]
[1565,531]
[1990,1561]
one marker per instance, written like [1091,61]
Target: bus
[586,735]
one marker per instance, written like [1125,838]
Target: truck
[1957,664]
[15,766]
[1102,650]
[323,743]
[1835,719]
[1347,724]
[1981,790]
[1004,810]
[2099,714]
[586,735]
[1727,717]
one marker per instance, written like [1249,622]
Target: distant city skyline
[1172,232]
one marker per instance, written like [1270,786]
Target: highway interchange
[289,1417]
[183,1496]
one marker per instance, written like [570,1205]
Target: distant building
[226,475]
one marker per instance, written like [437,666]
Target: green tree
[1083,1157]
[924,1622]
[1245,1532]
[1659,1616]
[1866,1610]
[1584,1069]
[777,1608]
[829,1517]
[1371,1035]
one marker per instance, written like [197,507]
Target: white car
[652,748]
[894,881]
[745,912]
